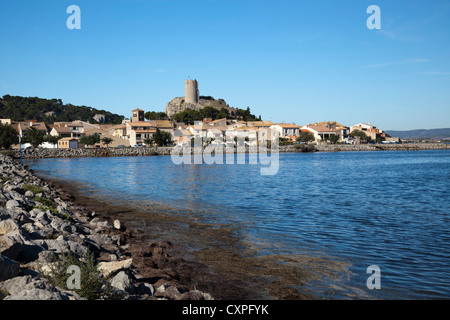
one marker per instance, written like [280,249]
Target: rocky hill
[178,104]
[52,110]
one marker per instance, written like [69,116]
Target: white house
[286,130]
[321,133]
[138,131]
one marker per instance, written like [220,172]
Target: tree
[305,137]
[223,113]
[107,141]
[90,140]
[334,138]
[209,112]
[152,115]
[189,116]
[8,136]
[361,134]
[52,139]
[33,136]
[149,141]
[162,138]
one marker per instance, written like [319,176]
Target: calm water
[389,209]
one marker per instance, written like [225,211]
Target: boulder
[122,281]
[17,213]
[29,194]
[12,204]
[8,268]
[98,223]
[29,288]
[168,291]
[108,268]
[7,226]
[11,244]
[38,230]
[62,246]
[35,212]
[63,226]
[43,218]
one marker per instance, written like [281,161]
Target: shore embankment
[382,147]
[42,227]
[42,153]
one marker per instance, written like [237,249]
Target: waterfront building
[67,130]
[369,130]
[341,130]
[286,130]
[321,133]
[68,143]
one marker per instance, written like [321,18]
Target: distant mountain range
[438,134]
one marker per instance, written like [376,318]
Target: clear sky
[289,61]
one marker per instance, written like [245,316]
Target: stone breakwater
[39,226]
[41,153]
[382,147]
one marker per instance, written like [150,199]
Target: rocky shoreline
[41,226]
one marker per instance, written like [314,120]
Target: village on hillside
[137,131]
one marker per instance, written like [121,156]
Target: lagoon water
[354,209]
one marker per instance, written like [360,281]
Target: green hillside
[50,110]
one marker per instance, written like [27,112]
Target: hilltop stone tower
[193,101]
[191,93]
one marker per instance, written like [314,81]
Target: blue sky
[289,61]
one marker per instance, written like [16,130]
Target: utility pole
[20,146]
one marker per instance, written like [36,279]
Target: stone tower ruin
[191,94]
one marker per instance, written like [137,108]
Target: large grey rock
[38,230]
[17,213]
[15,193]
[61,246]
[108,268]
[11,244]
[12,204]
[62,209]
[63,226]
[43,218]
[29,288]
[168,291]
[122,281]
[29,194]
[8,268]
[35,212]
[98,223]
[7,226]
